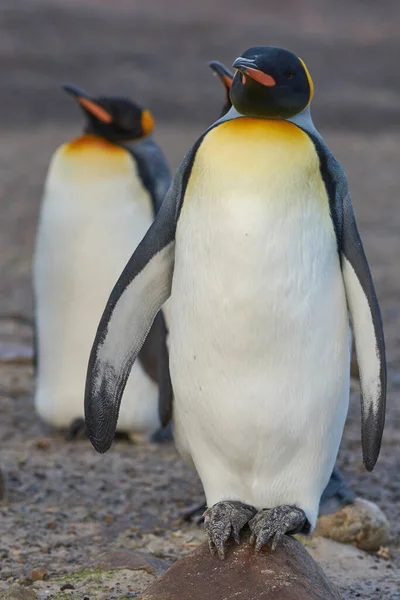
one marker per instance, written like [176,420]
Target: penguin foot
[77,427]
[336,494]
[195,514]
[224,520]
[165,434]
[274,523]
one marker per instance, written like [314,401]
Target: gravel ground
[64,503]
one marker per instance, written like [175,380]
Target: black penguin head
[225,77]
[271,83]
[115,119]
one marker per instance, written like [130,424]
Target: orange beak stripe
[96,110]
[227,81]
[261,77]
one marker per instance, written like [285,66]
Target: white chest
[259,336]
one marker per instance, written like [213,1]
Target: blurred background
[156,52]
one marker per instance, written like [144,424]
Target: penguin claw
[225,520]
[274,523]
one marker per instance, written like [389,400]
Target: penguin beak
[250,68]
[222,72]
[88,103]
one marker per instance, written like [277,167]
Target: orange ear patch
[147,122]
[96,110]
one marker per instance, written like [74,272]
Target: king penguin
[257,248]
[336,494]
[101,194]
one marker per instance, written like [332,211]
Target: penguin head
[225,77]
[115,119]
[271,83]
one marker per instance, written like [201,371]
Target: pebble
[361,523]
[38,574]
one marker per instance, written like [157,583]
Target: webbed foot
[195,514]
[335,495]
[165,434]
[274,523]
[224,520]
[77,428]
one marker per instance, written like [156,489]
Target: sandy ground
[65,504]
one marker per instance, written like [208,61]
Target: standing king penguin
[336,494]
[257,246]
[101,194]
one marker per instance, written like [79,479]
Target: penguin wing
[153,170]
[155,175]
[363,305]
[143,287]
[368,334]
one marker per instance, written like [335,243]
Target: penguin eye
[289,74]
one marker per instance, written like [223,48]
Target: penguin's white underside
[250,247]
[94,213]
[257,286]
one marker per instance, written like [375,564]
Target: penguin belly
[259,328]
[94,213]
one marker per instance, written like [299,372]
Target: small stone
[133,560]
[43,444]
[288,573]
[361,523]
[51,525]
[16,592]
[383,553]
[38,574]
[66,586]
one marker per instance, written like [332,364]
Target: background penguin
[257,228]
[102,192]
[225,76]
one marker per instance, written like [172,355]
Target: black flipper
[156,177]
[362,302]
[141,290]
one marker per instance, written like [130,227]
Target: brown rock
[289,573]
[133,560]
[38,575]
[362,524]
[42,444]
[16,592]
